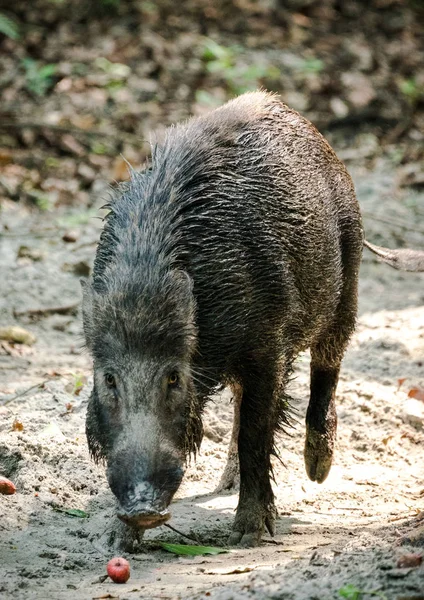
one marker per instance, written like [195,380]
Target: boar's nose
[142,515]
[143,506]
[143,492]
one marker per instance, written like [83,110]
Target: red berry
[6,486]
[118,570]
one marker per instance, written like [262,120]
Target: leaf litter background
[83,88]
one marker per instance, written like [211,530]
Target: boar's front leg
[259,417]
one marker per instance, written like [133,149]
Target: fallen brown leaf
[417,393]
[17,425]
[120,169]
[400,382]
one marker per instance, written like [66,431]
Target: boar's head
[143,416]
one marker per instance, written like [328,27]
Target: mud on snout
[144,486]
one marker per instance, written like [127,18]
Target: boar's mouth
[145,504]
[145,517]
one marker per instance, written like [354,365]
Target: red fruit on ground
[118,570]
[7,487]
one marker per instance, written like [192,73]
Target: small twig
[394,222]
[22,234]
[84,245]
[33,387]
[44,312]
[401,517]
[182,534]
[6,349]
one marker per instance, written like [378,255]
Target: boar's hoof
[145,519]
[319,448]
[250,524]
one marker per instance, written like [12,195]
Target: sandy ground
[350,530]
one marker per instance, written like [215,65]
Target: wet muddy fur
[238,248]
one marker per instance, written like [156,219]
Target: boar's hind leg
[326,357]
[321,422]
[259,417]
[230,476]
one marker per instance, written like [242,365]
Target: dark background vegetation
[84,83]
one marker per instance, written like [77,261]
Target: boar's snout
[145,516]
[144,494]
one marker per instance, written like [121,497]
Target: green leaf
[72,512]
[47,70]
[350,591]
[191,550]
[8,27]
[213,51]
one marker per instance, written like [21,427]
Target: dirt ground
[349,531]
[83,85]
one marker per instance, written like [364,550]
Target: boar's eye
[110,381]
[173,379]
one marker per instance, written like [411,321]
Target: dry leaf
[71,144]
[120,169]
[17,425]
[400,382]
[18,335]
[230,571]
[417,393]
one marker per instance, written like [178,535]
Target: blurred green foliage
[8,27]
[38,78]
[351,592]
[311,65]
[411,90]
[75,219]
[229,63]
[116,73]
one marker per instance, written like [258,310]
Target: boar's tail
[403,259]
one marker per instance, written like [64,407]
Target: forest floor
[82,90]
[349,531]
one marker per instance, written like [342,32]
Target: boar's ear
[184,284]
[185,280]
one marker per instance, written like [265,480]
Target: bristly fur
[236,250]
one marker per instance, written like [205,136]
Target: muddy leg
[231,475]
[326,355]
[321,422]
[258,421]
